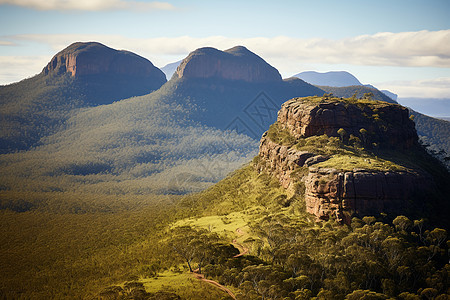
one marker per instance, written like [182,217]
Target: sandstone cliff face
[337,192]
[333,192]
[92,58]
[386,123]
[237,63]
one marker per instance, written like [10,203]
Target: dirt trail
[243,251]
[215,283]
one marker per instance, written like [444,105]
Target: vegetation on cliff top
[345,157]
[347,151]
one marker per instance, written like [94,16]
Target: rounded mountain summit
[237,63]
[115,72]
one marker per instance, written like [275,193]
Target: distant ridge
[183,137]
[358,91]
[333,78]
[170,69]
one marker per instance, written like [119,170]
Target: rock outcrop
[237,63]
[334,192]
[81,59]
[343,192]
[385,123]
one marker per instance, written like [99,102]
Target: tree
[342,134]
[193,245]
[402,223]
[365,295]
[363,133]
[368,96]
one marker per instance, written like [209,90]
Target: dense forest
[143,247]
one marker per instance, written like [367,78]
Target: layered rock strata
[386,123]
[335,192]
[365,192]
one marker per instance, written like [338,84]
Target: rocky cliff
[80,59]
[384,123]
[237,63]
[337,173]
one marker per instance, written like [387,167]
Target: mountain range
[189,133]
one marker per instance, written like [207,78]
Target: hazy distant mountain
[170,69]
[83,74]
[337,79]
[390,94]
[434,131]
[333,78]
[358,90]
[436,107]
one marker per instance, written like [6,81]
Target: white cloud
[16,68]
[427,88]
[89,5]
[406,49]
[6,43]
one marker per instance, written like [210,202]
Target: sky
[399,45]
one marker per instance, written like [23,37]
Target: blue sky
[401,45]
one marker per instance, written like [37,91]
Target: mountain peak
[238,50]
[93,58]
[237,63]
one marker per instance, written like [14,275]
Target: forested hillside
[287,254]
[40,105]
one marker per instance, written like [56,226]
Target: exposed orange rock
[236,63]
[341,193]
[93,58]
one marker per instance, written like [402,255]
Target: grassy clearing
[168,280]
[223,225]
[350,162]
[184,285]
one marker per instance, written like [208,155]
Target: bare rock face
[386,124]
[280,161]
[236,63]
[342,193]
[80,59]
[333,192]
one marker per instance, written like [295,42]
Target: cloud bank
[89,5]
[428,49]
[405,49]
[427,88]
